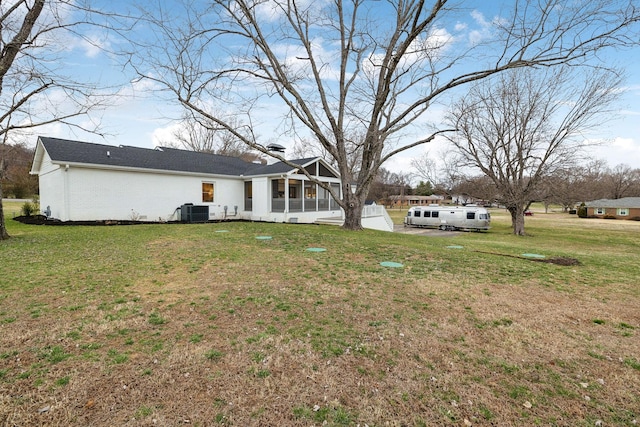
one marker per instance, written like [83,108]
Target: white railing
[375,211]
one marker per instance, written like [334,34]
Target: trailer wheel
[443,227]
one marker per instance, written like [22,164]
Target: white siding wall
[95,194]
[52,194]
[51,184]
[261,199]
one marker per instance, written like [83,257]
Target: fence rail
[377,210]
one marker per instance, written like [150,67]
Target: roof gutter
[67,165]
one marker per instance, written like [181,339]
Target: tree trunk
[517,220]
[352,211]
[3,229]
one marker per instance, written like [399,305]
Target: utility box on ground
[194,213]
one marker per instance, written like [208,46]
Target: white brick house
[93,182]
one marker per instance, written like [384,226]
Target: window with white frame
[623,211]
[599,211]
[207,192]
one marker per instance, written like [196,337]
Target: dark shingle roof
[167,159]
[625,202]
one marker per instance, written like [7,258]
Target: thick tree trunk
[353,217]
[517,220]
[3,229]
[352,211]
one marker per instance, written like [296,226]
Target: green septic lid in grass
[316,249]
[455,247]
[263,237]
[391,264]
[533,256]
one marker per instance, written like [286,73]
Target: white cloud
[92,45]
[619,151]
[626,145]
[271,11]
[485,27]
[296,59]
[479,18]
[476,37]
[163,135]
[423,49]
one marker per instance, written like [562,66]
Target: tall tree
[622,181]
[34,89]
[331,69]
[527,124]
[17,35]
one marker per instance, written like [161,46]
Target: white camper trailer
[468,217]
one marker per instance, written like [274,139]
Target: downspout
[67,202]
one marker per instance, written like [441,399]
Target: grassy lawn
[205,324]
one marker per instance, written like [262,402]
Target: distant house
[625,208]
[411,200]
[93,182]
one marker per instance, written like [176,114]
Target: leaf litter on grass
[366,345]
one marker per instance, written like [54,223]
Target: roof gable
[38,157]
[281,167]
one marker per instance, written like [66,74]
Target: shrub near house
[625,208]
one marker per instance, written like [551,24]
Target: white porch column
[286,195]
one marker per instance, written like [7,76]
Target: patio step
[330,221]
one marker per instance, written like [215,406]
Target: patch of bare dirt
[565,261]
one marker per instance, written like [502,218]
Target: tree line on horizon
[567,188]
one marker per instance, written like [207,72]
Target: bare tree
[526,125]
[309,147]
[565,186]
[593,187]
[34,89]
[445,172]
[427,168]
[16,37]
[622,181]
[326,70]
[196,133]
[476,188]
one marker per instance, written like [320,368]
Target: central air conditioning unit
[193,213]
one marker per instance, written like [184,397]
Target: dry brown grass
[292,338]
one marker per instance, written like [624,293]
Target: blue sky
[142,117]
